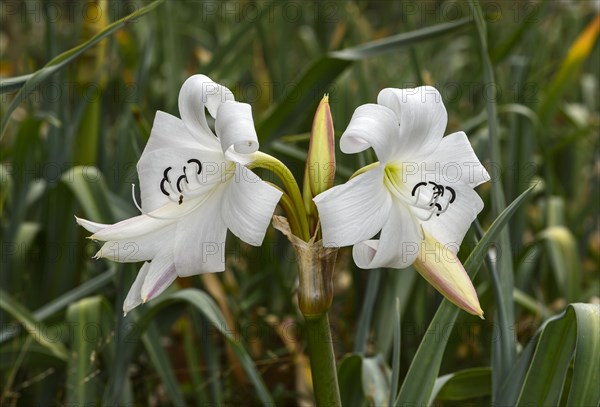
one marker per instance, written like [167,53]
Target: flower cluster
[418,199]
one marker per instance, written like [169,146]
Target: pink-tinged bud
[320,165]
[444,271]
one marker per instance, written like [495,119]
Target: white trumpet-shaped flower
[194,186]
[419,199]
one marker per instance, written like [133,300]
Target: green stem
[262,160]
[288,207]
[322,361]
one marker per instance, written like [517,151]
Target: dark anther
[438,189]
[193,160]
[453,194]
[180,199]
[437,205]
[416,187]
[166,174]
[162,187]
[179,181]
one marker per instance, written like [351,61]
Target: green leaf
[29,82]
[539,377]
[463,385]
[61,302]
[90,322]
[350,381]
[301,100]
[89,187]
[396,353]
[34,327]
[424,368]
[563,79]
[207,307]
[364,321]
[504,350]
[561,248]
[364,380]
[162,365]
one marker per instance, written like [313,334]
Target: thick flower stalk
[419,197]
[316,263]
[194,185]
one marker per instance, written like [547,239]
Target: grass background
[71,144]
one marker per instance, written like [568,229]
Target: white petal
[398,244]
[90,226]
[140,225]
[160,275]
[134,296]
[355,211]
[422,118]
[143,248]
[372,126]
[154,165]
[200,239]
[199,92]
[235,128]
[451,226]
[169,132]
[456,161]
[248,206]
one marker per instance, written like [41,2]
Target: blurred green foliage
[71,145]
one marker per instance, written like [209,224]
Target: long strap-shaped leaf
[28,82]
[425,366]
[207,307]
[34,327]
[539,375]
[504,350]
[300,100]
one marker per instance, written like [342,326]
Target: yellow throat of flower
[392,179]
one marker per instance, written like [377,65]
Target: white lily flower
[420,198]
[194,186]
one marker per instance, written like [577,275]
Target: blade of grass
[160,360]
[90,322]
[88,186]
[303,97]
[350,381]
[539,376]
[193,359]
[364,321]
[60,303]
[463,385]
[578,53]
[207,307]
[396,353]
[60,62]
[504,349]
[34,327]
[562,250]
